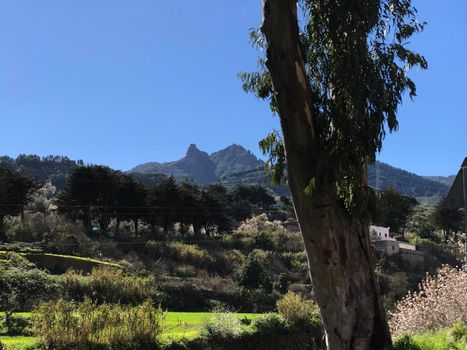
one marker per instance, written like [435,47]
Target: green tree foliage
[90,195]
[215,202]
[254,194]
[96,195]
[252,274]
[192,207]
[164,202]
[357,61]
[448,220]
[130,202]
[395,209]
[241,209]
[41,169]
[15,189]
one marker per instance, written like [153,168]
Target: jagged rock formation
[203,168]
[234,159]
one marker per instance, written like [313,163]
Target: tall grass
[180,252]
[444,339]
[109,285]
[70,325]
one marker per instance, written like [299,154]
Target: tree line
[98,196]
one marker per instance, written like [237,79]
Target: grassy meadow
[176,325]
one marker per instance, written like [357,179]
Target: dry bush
[69,325]
[440,302]
[297,310]
[180,252]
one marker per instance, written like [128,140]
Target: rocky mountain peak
[193,151]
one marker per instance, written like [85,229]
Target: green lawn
[189,324]
[176,325]
[18,342]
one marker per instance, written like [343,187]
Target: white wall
[382,232]
[408,246]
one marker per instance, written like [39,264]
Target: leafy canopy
[357,60]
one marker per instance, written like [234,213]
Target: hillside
[53,168]
[233,160]
[382,176]
[254,177]
[204,168]
[445,180]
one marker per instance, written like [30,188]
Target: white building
[385,242]
[382,233]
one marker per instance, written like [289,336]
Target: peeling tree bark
[338,249]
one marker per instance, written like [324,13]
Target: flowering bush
[260,223]
[440,302]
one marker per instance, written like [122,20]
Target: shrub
[180,252]
[441,301]
[261,233]
[459,331]
[12,260]
[232,259]
[406,343]
[22,289]
[69,325]
[439,340]
[264,240]
[222,326]
[21,247]
[252,274]
[109,285]
[185,271]
[297,310]
[282,283]
[270,324]
[47,227]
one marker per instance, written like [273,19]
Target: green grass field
[176,325]
[189,324]
[18,342]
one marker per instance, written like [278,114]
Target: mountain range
[205,168]
[230,166]
[235,165]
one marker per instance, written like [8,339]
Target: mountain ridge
[230,166]
[203,167]
[235,165]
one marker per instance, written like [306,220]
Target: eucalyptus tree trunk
[338,248]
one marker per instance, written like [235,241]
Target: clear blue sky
[121,82]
